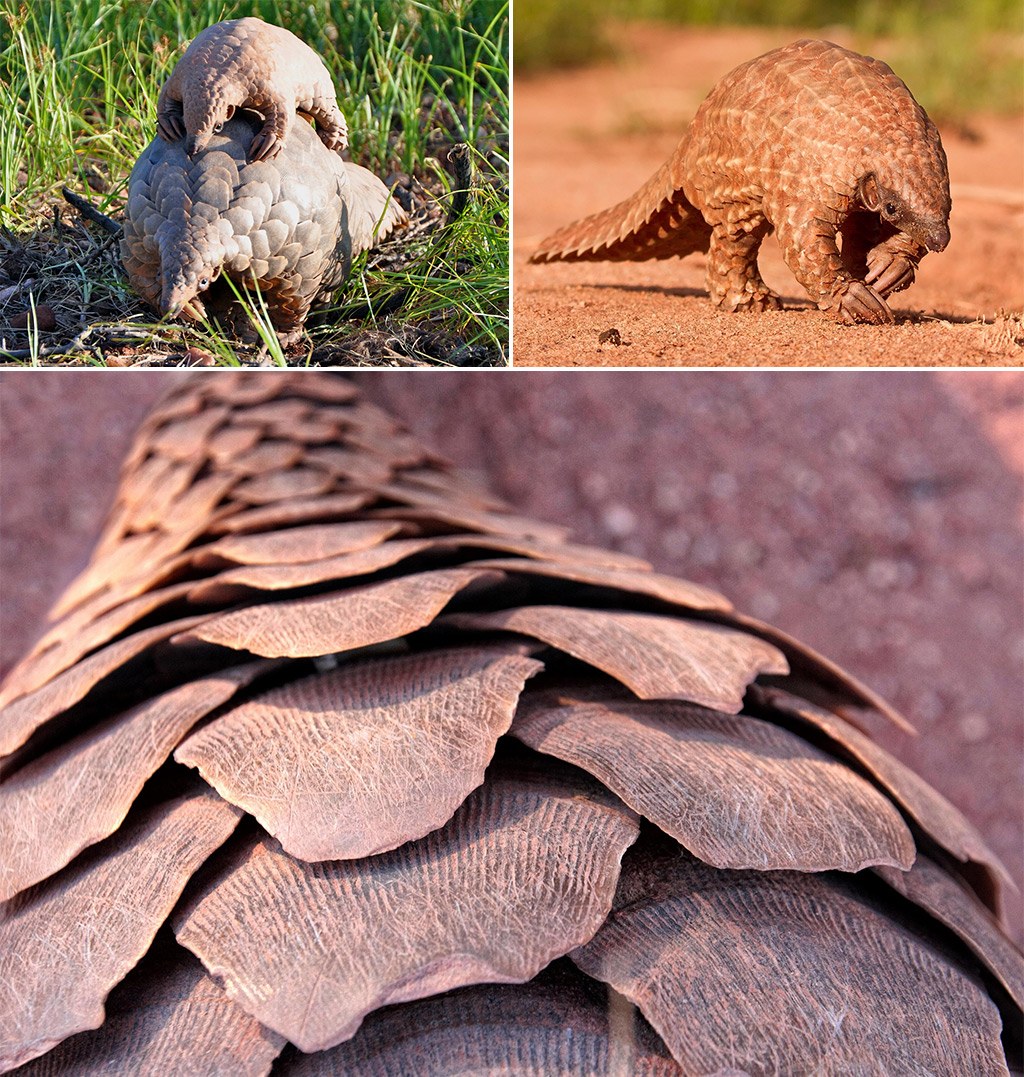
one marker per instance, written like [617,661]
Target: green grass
[79,81]
[958,58]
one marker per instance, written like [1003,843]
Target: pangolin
[248,63]
[332,764]
[293,224]
[811,141]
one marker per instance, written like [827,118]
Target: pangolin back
[331,763]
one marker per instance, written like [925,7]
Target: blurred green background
[958,57]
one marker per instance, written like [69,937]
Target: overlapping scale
[521,874]
[90,636]
[365,757]
[66,943]
[557,1025]
[737,792]
[312,542]
[763,973]
[79,793]
[928,808]
[18,720]
[174,1020]
[342,620]
[233,585]
[657,657]
[651,584]
[952,903]
[286,513]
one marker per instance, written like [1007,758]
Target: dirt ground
[583,140]
[876,516]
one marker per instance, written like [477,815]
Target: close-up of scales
[659,718]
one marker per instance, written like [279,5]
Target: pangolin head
[205,115]
[181,285]
[909,189]
[928,225]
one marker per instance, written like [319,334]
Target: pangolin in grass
[811,141]
[292,224]
[331,764]
[248,63]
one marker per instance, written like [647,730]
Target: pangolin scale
[811,141]
[331,764]
[248,63]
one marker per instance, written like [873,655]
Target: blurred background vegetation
[957,56]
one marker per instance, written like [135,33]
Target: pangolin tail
[656,222]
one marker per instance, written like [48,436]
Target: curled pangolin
[293,224]
[248,63]
[810,141]
[327,754]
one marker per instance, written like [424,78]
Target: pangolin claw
[265,146]
[890,276]
[861,303]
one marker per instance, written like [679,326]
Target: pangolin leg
[330,126]
[170,119]
[269,140]
[809,249]
[733,280]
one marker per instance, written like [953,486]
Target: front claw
[333,138]
[858,302]
[266,145]
[892,264]
[170,126]
[887,276]
[892,270]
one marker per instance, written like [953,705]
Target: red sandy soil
[586,139]
[877,516]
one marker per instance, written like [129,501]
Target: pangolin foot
[858,302]
[888,275]
[759,300]
[333,139]
[171,127]
[265,146]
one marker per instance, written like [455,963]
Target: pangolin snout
[936,238]
[182,297]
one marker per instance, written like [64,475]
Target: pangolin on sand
[293,224]
[811,141]
[248,63]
